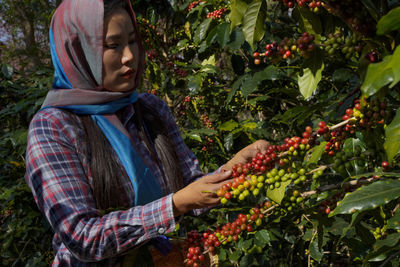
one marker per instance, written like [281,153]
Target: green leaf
[222,255]
[392,134]
[208,65]
[249,85]
[253,22]
[315,252]
[194,83]
[250,125]
[382,73]
[212,36]
[308,20]
[228,141]
[235,86]
[235,255]
[394,222]
[245,244]
[350,145]
[236,40]
[262,238]
[309,81]
[228,126]
[194,136]
[390,241]
[342,75]
[7,70]
[238,8]
[223,34]
[201,31]
[316,153]
[277,194]
[389,22]
[369,197]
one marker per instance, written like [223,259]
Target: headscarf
[76,43]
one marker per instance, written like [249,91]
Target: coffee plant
[317,79]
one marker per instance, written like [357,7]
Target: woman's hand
[247,154]
[200,194]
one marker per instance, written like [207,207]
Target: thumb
[219,177]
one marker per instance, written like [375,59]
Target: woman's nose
[127,55]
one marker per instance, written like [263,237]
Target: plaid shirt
[60,179]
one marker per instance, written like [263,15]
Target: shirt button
[161,230]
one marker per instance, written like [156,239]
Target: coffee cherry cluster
[349,46]
[180,72]
[305,43]
[312,4]
[151,54]
[353,13]
[372,115]
[217,13]
[194,249]
[194,4]
[287,48]
[153,91]
[208,144]
[207,122]
[343,160]
[148,34]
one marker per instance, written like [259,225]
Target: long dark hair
[109,176]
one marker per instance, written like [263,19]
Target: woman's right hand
[200,194]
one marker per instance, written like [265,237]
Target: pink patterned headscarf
[76,42]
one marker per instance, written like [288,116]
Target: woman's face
[121,52]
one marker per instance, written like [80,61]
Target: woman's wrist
[178,204]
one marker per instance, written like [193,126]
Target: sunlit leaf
[238,8]
[228,126]
[254,22]
[369,197]
[277,194]
[392,134]
[201,30]
[389,22]
[382,73]
[308,83]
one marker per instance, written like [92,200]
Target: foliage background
[205,70]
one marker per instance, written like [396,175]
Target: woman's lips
[128,74]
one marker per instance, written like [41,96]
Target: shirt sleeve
[62,191]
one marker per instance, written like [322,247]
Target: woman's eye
[132,41]
[111,46]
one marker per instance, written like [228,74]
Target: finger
[219,185]
[262,146]
[218,177]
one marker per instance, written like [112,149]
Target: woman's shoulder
[155,103]
[54,118]
[151,99]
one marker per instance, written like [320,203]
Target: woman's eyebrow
[119,36]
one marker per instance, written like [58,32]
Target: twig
[341,123]
[309,254]
[322,167]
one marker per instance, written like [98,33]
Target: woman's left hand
[247,154]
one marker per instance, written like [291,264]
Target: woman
[96,145]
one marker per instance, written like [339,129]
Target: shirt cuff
[160,220]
